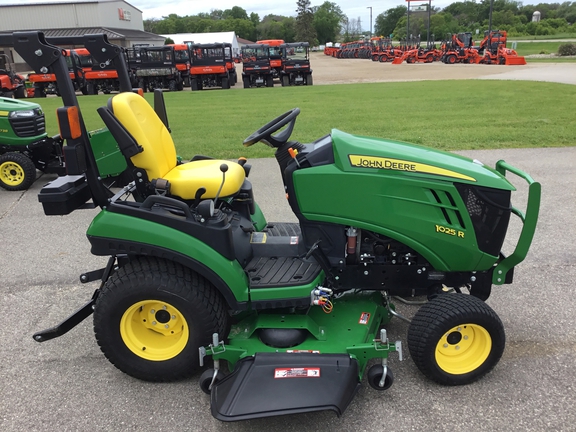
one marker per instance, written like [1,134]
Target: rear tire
[309,80]
[456,339]
[39,92]
[17,172]
[269,81]
[20,92]
[246,83]
[285,80]
[225,83]
[153,315]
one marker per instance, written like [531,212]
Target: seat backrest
[139,118]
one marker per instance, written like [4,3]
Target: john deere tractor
[25,146]
[289,318]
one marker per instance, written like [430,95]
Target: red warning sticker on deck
[307,372]
[364,318]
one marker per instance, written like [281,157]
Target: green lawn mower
[25,146]
[288,318]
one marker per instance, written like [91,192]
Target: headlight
[21,114]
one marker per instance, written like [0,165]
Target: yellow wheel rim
[154,330]
[11,173]
[463,348]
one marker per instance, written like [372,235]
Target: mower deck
[270,384]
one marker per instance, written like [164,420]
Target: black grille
[29,126]
[489,210]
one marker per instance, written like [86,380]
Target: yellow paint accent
[449,231]
[403,165]
[11,173]
[468,353]
[159,156]
[4,113]
[154,330]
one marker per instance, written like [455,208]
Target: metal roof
[113,34]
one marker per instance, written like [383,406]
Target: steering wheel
[265,132]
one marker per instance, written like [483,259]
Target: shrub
[567,49]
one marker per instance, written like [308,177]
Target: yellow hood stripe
[403,165]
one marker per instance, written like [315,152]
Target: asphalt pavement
[67,384]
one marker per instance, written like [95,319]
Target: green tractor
[290,317]
[25,146]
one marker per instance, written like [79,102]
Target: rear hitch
[69,323]
[82,313]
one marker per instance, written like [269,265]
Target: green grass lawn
[450,115]
[552,60]
[528,48]
[544,37]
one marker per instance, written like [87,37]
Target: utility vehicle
[154,67]
[256,70]
[182,60]
[290,317]
[275,55]
[230,63]
[209,67]
[296,64]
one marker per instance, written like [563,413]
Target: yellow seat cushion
[158,157]
[187,178]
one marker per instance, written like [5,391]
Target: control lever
[223,168]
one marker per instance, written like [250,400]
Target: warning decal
[364,318]
[307,372]
[258,237]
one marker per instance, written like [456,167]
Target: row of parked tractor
[173,67]
[456,48]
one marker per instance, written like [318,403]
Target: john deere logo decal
[402,165]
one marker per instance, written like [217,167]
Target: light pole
[370,7]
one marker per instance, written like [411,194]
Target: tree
[467,13]
[328,18]
[235,13]
[386,21]
[255,19]
[305,31]
[277,27]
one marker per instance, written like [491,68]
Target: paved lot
[67,384]
[329,70]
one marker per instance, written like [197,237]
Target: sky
[351,8]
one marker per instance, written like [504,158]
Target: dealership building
[118,19]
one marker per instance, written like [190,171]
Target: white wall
[70,15]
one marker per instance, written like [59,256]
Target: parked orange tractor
[11,84]
[495,51]
[460,48]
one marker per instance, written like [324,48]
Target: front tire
[456,339]
[17,171]
[153,315]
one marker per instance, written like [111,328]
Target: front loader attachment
[517,60]
[512,58]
